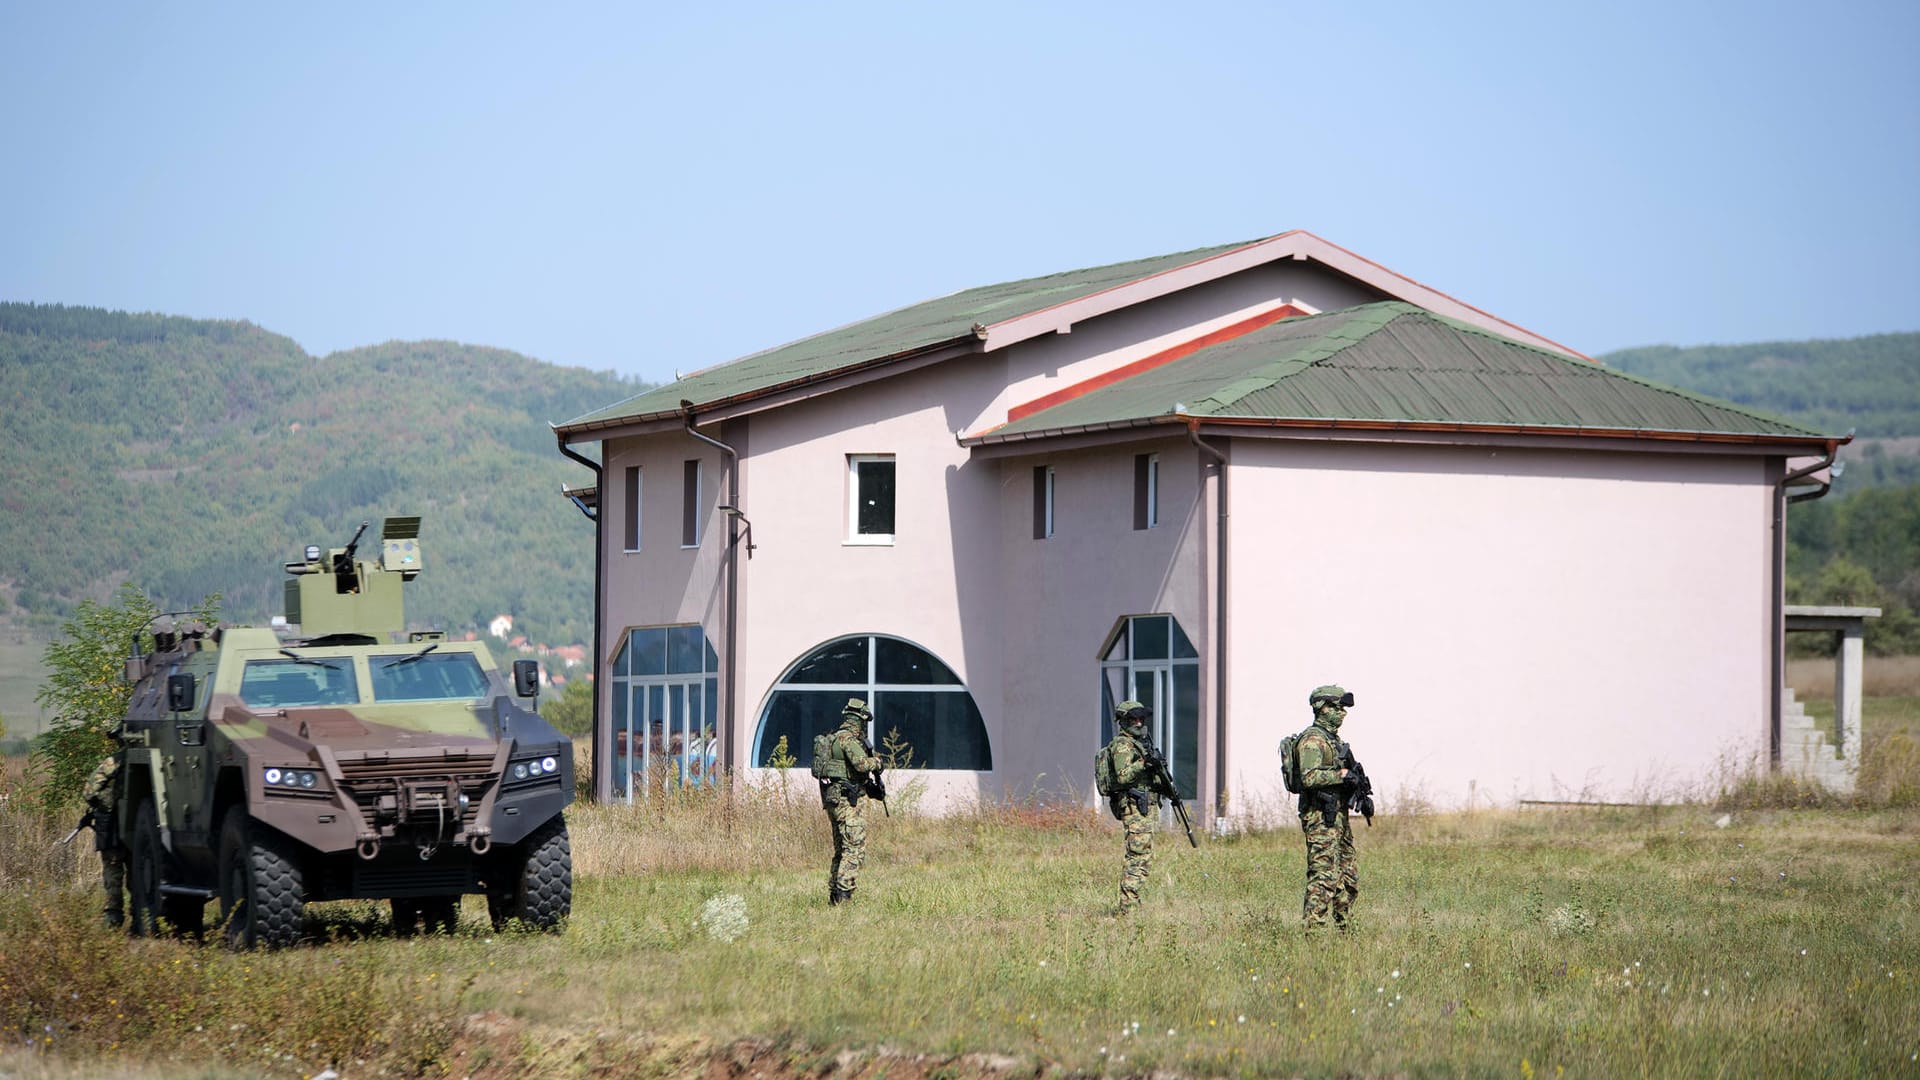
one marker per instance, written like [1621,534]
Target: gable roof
[1395,365]
[995,316]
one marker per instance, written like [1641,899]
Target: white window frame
[634,520]
[1047,514]
[695,506]
[854,535]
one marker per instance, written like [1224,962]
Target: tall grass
[1664,941]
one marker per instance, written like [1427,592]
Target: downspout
[725,733]
[1777,631]
[1220,620]
[597,742]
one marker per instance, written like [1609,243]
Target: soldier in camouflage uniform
[1131,801]
[99,794]
[1333,875]
[848,763]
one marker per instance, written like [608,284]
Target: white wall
[1514,624]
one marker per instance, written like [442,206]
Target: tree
[571,711]
[87,690]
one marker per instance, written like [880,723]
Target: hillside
[195,457]
[1869,384]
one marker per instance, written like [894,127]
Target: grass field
[1602,942]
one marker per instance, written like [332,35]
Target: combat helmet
[1131,714]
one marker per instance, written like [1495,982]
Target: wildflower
[1242,1020]
[1043,963]
[1169,1031]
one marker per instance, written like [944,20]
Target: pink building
[1211,481]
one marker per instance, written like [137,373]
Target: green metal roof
[908,330]
[1394,363]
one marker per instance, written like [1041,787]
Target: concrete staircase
[1807,750]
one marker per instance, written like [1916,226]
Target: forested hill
[1870,384]
[194,457]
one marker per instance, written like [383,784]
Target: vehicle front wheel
[535,881]
[263,896]
[143,872]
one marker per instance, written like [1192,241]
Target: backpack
[1103,771]
[1290,762]
[822,753]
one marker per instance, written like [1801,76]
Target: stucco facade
[1522,614]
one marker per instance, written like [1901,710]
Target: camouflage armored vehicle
[266,770]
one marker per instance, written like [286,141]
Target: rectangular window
[690,505]
[633,507]
[1146,490]
[870,498]
[1042,501]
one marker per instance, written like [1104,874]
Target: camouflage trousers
[1139,855]
[849,843]
[1333,873]
[113,875]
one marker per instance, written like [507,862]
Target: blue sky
[646,189]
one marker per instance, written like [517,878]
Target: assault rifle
[1359,791]
[1160,782]
[876,789]
[86,822]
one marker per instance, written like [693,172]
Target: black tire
[145,862]
[441,914]
[263,895]
[535,881]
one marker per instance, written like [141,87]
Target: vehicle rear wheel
[263,896]
[535,882]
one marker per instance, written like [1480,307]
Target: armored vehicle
[266,769]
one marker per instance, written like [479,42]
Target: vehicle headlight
[548,765]
[519,770]
[273,776]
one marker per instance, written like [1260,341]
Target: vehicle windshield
[281,684]
[431,676]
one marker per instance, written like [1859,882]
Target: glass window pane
[713,659]
[649,651]
[1109,679]
[898,662]
[1150,637]
[620,660]
[875,516]
[944,730]
[843,661]
[1186,730]
[1182,648]
[1118,650]
[683,649]
[415,676]
[798,715]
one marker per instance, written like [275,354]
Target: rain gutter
[597,741]
[733,515]
[1220,622]
[1777,630]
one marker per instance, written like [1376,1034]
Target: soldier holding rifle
[1331,781]
[1133,776]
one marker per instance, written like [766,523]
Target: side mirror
[526,677]
[179,693]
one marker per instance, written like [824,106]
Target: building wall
[662,583]
[1065,594]
[1515,624]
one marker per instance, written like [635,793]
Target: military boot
[838,895]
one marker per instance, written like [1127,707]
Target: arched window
[1149,659]
[909,690]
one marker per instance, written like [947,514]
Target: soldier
[842,762]
[1126,783]
[99,794]
[1333,877]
